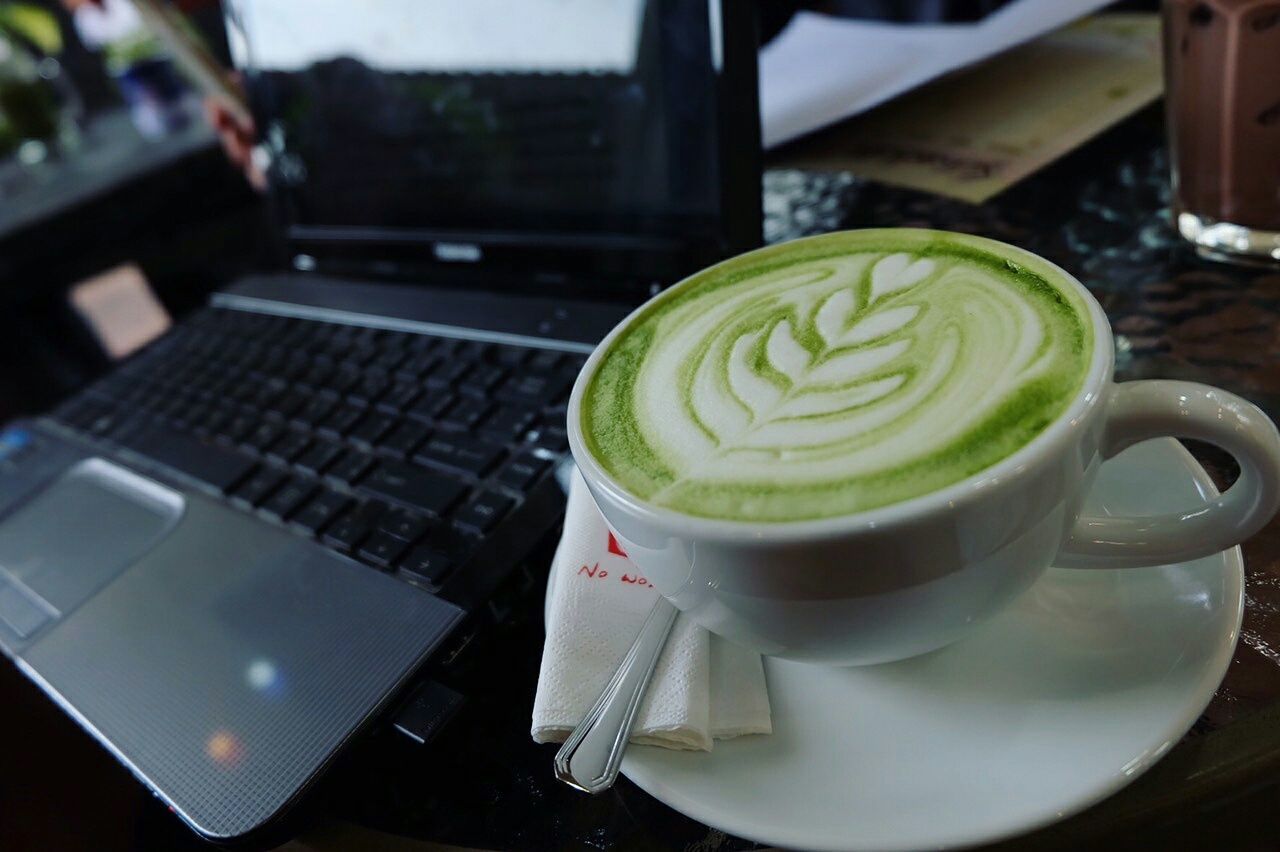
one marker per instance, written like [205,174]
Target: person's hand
[237,139]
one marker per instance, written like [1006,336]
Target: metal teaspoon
[590,758]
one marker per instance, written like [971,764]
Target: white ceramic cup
[910,577]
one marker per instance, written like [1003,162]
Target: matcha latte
[836,374]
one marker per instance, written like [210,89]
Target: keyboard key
[245,390]
[371,428]
[213,421]
[216,466]
[81,416]
[521,472]
[466,414]
[294,367]
[534,389]
[381,550]
[170,409]
[399,397]
[447,372]
[431,405]
[287,498]
[507,422]
[391,339]
[262,436]
[73,411]
[460,452]
[419,365]
[484,511]
[472,350]
[271,360]
[127,426]
[404,439]
[343,379]
[405,526]
[319,511]
[481,379]
[321,454]
[551,439]
[258,487]
[341,420]
[363,518]
[147,395]
[418,343]
[408,484]
[427,565]
[361,354]
[329,345]
[545,360]
[452,541]
[317,376]
[314,411]
[350,467]
[194,414]
[556,414]
[272,391]
[242,362]
[389,359]
[286,404]
[105,420]
[370,388]
[510,356]
[237,426]
[291,445]
[346,532]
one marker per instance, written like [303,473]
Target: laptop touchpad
[75,536]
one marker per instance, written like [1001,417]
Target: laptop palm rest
[222,659]
[74,537]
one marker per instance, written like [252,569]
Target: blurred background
[115,194]
[109,177]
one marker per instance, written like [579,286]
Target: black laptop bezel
[607,267]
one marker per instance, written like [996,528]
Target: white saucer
[1059,701]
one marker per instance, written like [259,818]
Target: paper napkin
[704,688]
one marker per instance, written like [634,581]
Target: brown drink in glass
[1222,86]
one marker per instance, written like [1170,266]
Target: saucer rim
[1210,679]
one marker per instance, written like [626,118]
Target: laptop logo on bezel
[458,252]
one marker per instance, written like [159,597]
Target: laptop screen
[477,126]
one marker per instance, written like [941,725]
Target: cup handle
[1141,410]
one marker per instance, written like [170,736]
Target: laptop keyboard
[401,450]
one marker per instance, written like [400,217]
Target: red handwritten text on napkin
[595,572]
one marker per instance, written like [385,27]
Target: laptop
[228,557]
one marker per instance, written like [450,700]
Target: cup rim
[953,496]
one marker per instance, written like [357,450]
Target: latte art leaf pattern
[823,382]
[856,371]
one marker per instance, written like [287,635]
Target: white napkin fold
[704,688]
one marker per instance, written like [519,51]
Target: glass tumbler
[1222,88]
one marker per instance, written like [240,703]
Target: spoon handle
[590,757]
